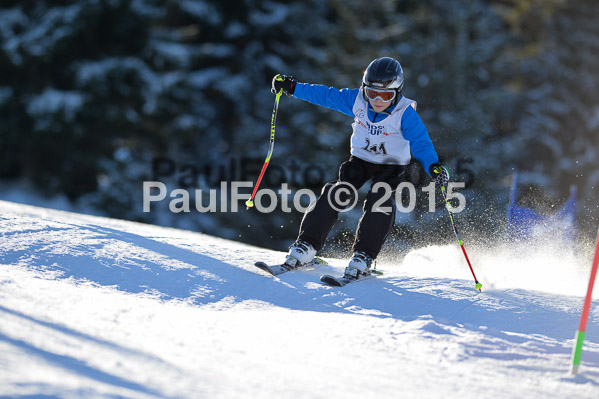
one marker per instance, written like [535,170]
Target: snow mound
[101,308]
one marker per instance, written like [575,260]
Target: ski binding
[275,270]
[343,281]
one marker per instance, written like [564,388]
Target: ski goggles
[385,95]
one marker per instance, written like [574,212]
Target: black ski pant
[379,208]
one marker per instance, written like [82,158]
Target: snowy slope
[93,307]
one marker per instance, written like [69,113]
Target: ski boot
[359,265]
[300,254]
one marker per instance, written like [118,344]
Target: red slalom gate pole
[582,327]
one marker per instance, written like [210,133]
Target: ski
[275,270]
[343,281]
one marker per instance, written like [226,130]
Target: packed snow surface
[99,308]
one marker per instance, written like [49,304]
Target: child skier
[386,129]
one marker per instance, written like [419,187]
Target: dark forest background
[97,96]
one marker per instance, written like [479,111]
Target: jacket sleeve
[415,132]
[338,100]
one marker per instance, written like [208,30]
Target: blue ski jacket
[412,128]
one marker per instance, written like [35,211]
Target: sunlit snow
[100,308]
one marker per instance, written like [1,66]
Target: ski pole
[455,230]
[582,327]
[250,203]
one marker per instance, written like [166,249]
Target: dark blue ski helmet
[384,73]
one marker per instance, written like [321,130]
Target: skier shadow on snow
[73,364]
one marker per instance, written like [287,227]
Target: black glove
[440,174]
[285,83]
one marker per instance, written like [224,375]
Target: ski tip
[330,280]
[263,266]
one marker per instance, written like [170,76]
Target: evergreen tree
[93,92]
[56,127]
[556,138]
